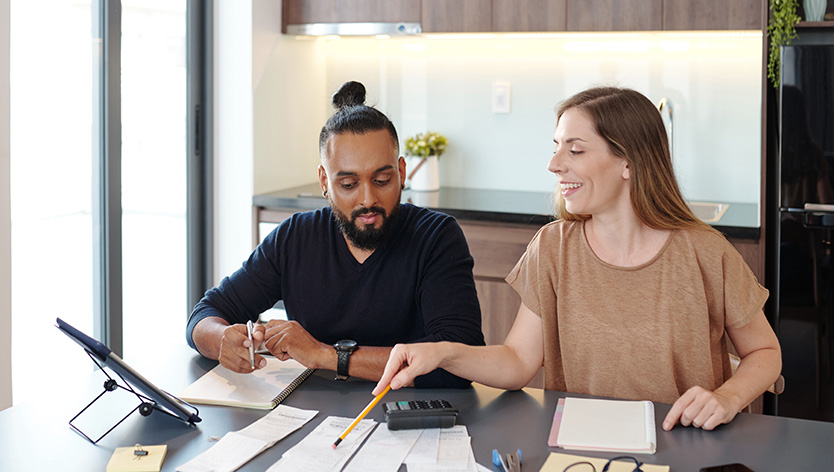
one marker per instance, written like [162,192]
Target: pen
[251,343]
[362,415]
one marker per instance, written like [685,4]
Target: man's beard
[369,238]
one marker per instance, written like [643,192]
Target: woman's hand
[407,361]
[701,408]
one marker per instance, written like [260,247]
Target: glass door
[52,89]
[153,173]
[123,278]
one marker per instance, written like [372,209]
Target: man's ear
[323,179]
[401,168]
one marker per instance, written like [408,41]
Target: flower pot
[426,178]
[814,9]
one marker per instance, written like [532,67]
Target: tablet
[162,401]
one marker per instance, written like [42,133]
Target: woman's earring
[324,193]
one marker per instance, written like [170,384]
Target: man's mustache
[361,211]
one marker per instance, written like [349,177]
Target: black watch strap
[344,349]
[343,366]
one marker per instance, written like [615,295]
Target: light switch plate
[501,97]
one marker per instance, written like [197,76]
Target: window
[123,278]
[153,173]
[51,79]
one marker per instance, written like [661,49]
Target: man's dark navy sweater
[416,287]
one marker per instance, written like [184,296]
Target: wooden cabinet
[529,15]
[496,248]
[297,12]
[614,15]
[714,14]
[472,16]
[456,16]
[750,250]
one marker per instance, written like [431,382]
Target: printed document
[384,451]
[239,447]
[315,452]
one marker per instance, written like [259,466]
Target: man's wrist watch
[344,349]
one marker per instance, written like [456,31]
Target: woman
[628,294]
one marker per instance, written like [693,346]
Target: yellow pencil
[362,415]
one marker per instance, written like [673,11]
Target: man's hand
[700,408]
[234,348]
[288,340]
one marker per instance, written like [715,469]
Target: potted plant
[781,29]
[425,148]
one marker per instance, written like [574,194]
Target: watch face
[346,345]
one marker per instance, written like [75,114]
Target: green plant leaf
[781,29]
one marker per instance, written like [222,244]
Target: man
[356,277]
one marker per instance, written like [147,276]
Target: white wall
[233,145]
[444,84]
[5,217]
[289,109]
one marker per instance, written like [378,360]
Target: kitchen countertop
[500,206]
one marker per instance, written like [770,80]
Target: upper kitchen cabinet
[528,15]
[614,15]
[713,14]
[457,16]
[299,12]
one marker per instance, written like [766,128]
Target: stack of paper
[316,453]
[384,451]
[380,450]
[604,425]
[365,449]
[446,450]
[239,447]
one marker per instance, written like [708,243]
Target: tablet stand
[145,407]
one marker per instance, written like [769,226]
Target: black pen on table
[249,329]
[362,415]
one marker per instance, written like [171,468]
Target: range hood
[355,29]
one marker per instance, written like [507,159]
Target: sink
[708,212]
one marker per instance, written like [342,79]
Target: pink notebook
[553,439]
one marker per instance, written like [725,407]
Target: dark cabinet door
[456,16]
[614,15]
[528,15]
[299,12]
[713,14]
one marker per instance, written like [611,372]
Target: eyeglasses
[585,466]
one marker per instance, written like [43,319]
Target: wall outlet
[500,97]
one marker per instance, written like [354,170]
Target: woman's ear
[626,170]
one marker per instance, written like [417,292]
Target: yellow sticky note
[124,459]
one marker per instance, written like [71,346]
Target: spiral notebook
[263,389]
[587,424]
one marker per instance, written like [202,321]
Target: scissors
[509,462]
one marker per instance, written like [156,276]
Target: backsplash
[444,83]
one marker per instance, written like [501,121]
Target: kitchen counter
[741,220]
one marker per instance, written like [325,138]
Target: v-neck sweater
[416,287]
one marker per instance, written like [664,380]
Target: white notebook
[264,388]
[607,425]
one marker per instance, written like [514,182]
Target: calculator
[419,414]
